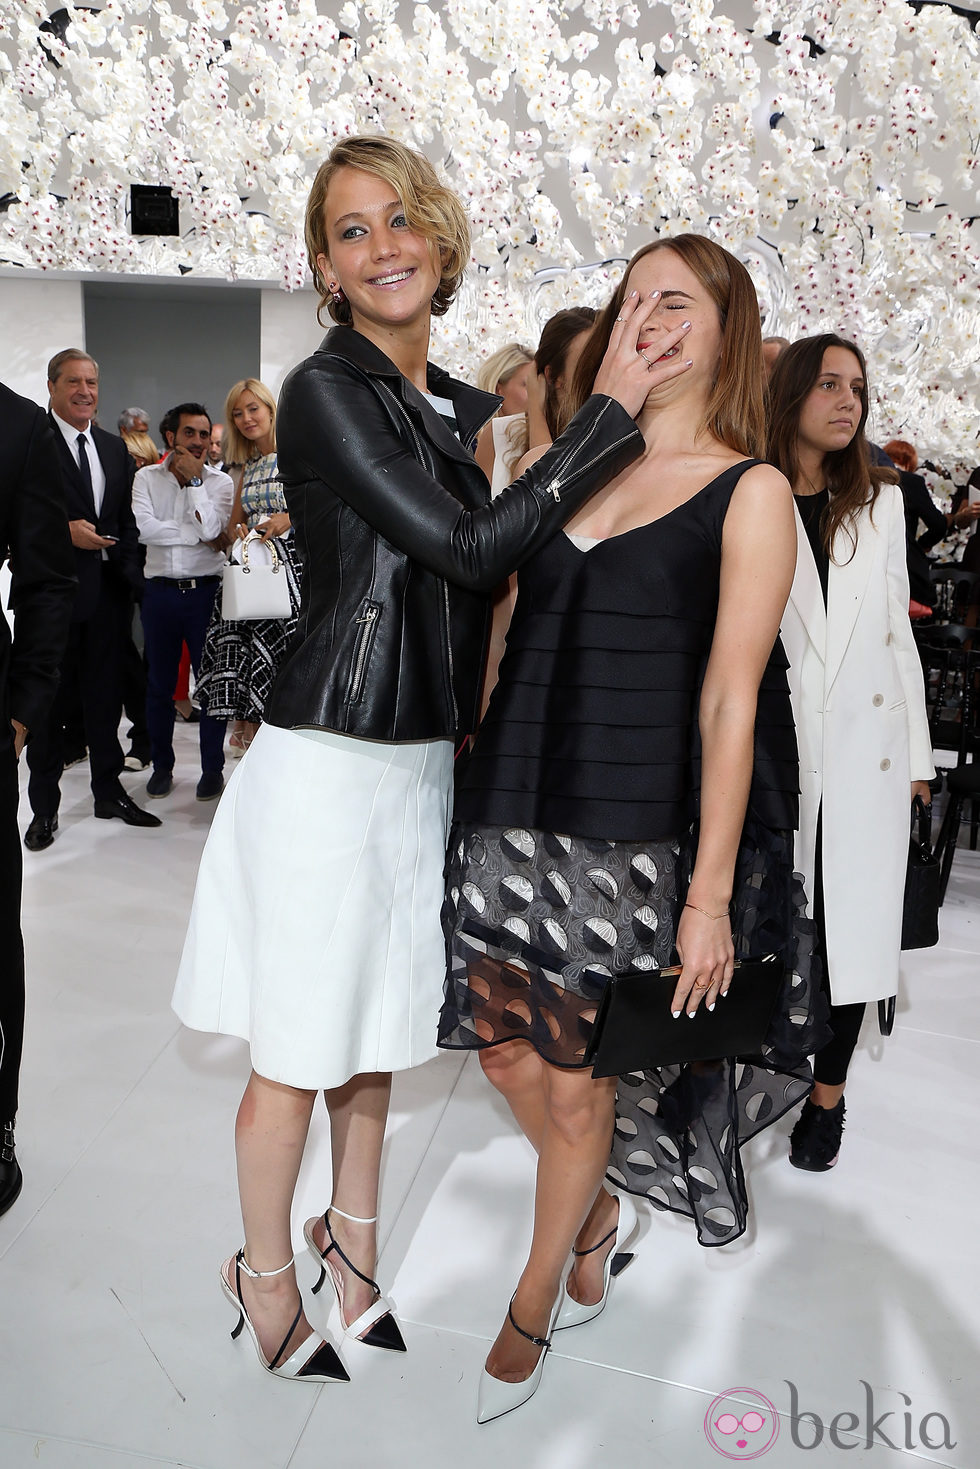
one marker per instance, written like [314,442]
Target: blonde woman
[315,931]
[505,373]
[241,659]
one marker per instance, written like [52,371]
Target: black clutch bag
[920,910]
[634,1029]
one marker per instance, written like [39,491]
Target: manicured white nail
[691,1014]
[676,1014]
[712,1005]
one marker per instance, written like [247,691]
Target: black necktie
[84,468]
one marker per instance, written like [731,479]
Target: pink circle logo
[741,1424]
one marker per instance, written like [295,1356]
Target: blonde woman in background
[241,659]
[506,373]
[141,447]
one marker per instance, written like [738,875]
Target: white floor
[114,1346]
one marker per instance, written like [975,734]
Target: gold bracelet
[705,911]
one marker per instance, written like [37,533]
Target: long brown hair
[735,413]
[850,476]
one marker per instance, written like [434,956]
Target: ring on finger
[702,984]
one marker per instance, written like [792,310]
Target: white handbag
[256,587]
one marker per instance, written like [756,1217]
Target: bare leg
[358,1114]
[270,1134]
[518,1073]
[571,1162]
[824,1095]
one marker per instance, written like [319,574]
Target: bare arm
[758,561]
[503,610]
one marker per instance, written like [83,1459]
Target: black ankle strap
[333,1245]
[592,1248]
[238,1291]
[537,1341]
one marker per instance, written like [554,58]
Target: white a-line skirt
[315,931]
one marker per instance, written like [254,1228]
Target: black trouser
[92,664]
[831,1062]
[11,940]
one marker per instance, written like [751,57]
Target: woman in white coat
[857,692]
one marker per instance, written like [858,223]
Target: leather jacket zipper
[449,654]
[368,621]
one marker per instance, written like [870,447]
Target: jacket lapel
[847,588]
[806,593]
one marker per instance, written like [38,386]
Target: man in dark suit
[98,475]
[34,538]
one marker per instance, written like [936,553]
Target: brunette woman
[628,705]
[856,685]
[241,659]
[315,931]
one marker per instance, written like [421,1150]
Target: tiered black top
[592,728]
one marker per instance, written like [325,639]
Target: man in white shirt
[182,507]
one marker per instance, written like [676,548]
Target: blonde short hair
[432,210]
[141,446]
[235,448]
[500,368]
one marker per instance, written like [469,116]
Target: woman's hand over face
[627,375]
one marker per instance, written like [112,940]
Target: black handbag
[920,911]
[920,908]
[634,1029]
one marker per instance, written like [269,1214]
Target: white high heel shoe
[497,1397]
[314,1360]
[375,1327]
[576,1313]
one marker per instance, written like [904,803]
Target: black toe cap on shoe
[385,1333]
[40,833]
[126,810]
[11,1183]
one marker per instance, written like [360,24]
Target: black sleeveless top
[592,727]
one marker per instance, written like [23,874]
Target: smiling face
[193,434]
[75,392]
[251,417]
[387,272]
[831,411]
[682,298]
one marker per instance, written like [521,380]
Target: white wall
[37,319]
[290,332]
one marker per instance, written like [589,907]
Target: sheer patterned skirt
[536,923]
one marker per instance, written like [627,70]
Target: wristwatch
[195,483]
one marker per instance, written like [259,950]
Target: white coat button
[878,700]
[886,765]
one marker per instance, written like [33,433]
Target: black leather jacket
[400,542]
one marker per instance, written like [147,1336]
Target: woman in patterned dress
[631,790]
[241,659]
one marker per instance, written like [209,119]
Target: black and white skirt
[536,923]
[241,659]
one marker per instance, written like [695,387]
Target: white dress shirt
[70,435]
[176,520]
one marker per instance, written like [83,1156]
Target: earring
[335,292]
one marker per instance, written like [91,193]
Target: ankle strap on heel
[537,1341]
[354,1219]
[260,1274]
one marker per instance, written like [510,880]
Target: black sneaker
[210,786]
[160,783]
[814,1143]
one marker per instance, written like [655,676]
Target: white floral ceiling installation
[823,142]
